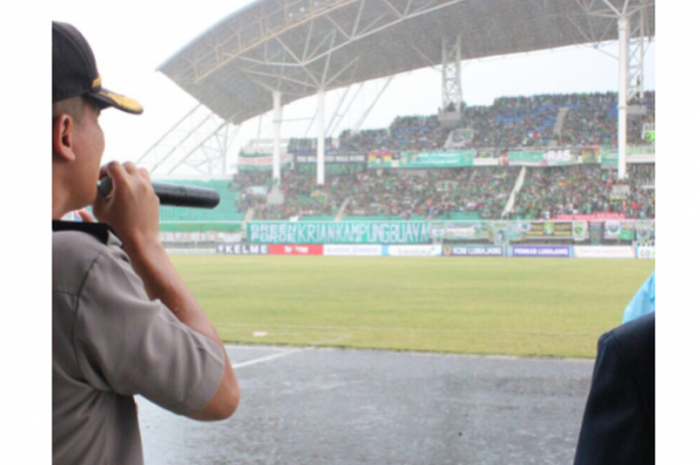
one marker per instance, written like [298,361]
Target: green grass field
[531,307]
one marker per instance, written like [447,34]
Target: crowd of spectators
[435,194]
[302,197]
[584,190]
[514,122]
[406,133]
[590,119]
[397,194]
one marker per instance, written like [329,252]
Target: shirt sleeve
[128,344]
[643,302]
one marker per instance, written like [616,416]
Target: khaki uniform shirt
[111,342]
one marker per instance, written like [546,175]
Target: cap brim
[107,98]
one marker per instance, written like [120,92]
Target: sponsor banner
[579,230]
[505,232]
[468,231]
[412,250]
[296,249]
[260,161]
[346,232]
[442,159]
[336,158]
[472,251]
[541,158]
[242,249]
[603,251]
[342,250]
[559,157]
[549,229]
[646,252]
[525,158]
[556,251]
[335,164]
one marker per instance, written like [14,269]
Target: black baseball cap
[75,71]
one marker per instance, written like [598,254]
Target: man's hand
[132,208]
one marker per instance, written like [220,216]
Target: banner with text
[541,158]
[242,249]
[442,159]
[549,251]
[603,251]
[335,164]
[549,230]
[467,231]
[412,250]
[296,249]
[342,250]
[646,252]
[351,232]
[472,250]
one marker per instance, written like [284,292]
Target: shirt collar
[100,231]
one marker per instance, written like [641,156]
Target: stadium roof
[300,46]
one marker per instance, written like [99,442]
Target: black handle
[174,194]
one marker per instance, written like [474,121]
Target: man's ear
[62,137]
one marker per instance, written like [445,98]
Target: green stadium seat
[221,218]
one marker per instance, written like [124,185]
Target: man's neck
[60,200]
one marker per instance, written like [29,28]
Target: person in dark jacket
[618,423]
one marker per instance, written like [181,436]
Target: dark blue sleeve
[615,429]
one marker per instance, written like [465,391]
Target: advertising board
[336,163]
[472,251]
[296,249]
[646,252]
[549,229]
[412,250]
[242,249]
[553,251]
[602,251]
[344,250]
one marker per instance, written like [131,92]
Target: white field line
[269,357]
[406,329]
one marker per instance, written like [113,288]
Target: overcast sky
[132,38]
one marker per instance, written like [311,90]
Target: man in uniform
[124,323]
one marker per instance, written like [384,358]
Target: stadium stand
[478,192]
[187,219]
[590,119]
[556,193]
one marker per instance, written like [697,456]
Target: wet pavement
[335,406]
